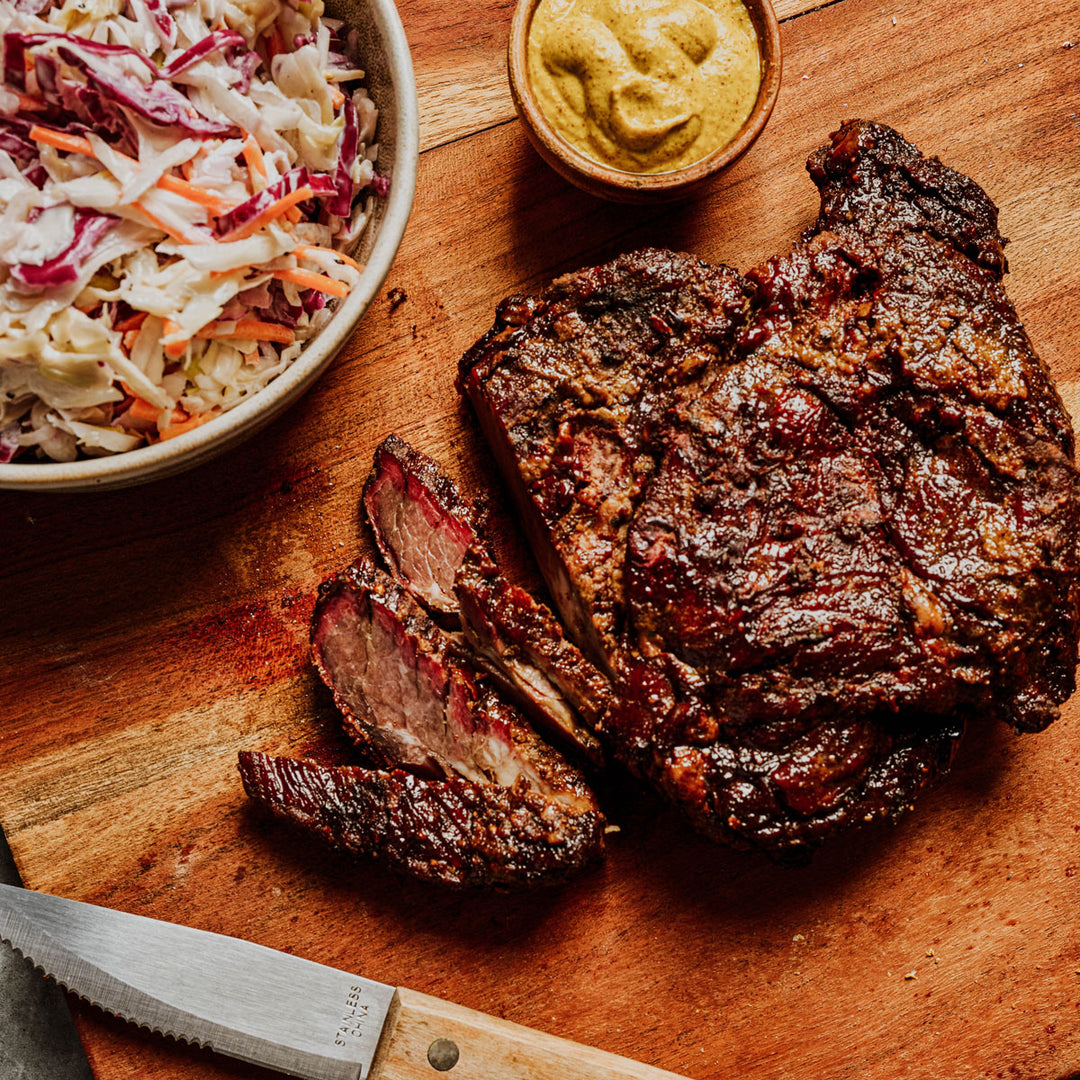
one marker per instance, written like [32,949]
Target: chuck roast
[421,523]
[429,536]
[459,789]
[808,520]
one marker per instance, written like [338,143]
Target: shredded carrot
[129,339]
[175,349]
[187,425]
[274,210]
[308,279]
[141,409]
[275,43]
[132,322]
[301,250]
[74,144]
[293,214]
[214,203]
[253,329]
[253,155]
[337,97]
[29,103]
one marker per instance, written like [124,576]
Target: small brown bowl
[617,184]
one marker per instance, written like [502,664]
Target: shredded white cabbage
[175,180]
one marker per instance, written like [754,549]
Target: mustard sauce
[644,86]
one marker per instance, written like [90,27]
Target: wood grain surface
[148,635]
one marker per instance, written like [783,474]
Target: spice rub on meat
[455,787]
[807,520]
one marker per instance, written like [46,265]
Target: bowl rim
[147,463]
[575,165]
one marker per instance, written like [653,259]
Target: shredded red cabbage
[321,186]
[161,21]
[9,443]
[62,269]
[213,42]
[341,204]
[246,63]
[160,102]
[15,46]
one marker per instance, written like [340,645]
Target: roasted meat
[421,523]
[809,520]
[520,642]
[450,831]
[460,790]
[427,533]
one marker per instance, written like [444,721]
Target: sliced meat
[809,520]
[410,699]
[569,389]
[445,751]
[520,642]
[389,669]
[451,832]
[422,524]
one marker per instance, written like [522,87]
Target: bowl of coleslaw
[198,201]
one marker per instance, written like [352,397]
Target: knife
[281,1011]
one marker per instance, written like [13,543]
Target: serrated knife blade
[209,989]
[278,1010]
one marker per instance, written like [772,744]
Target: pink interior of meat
[424,539]
[415,699]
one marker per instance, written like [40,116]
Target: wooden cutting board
[148,635]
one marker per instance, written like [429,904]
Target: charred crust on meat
[871,177]
[421,523]
[809,520]
[449,832]
[457,788]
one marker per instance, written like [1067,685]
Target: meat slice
[520,642]
[809,520]
[460,790]
[424,528]
[422,524]
[450,832]
[403,699]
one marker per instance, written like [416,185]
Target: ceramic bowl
[615,184]
[390,82]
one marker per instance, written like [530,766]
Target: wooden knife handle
[422,1034]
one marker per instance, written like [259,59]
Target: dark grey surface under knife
[37,1036]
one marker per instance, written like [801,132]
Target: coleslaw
[176,180]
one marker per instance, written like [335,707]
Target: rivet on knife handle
[488,1048]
